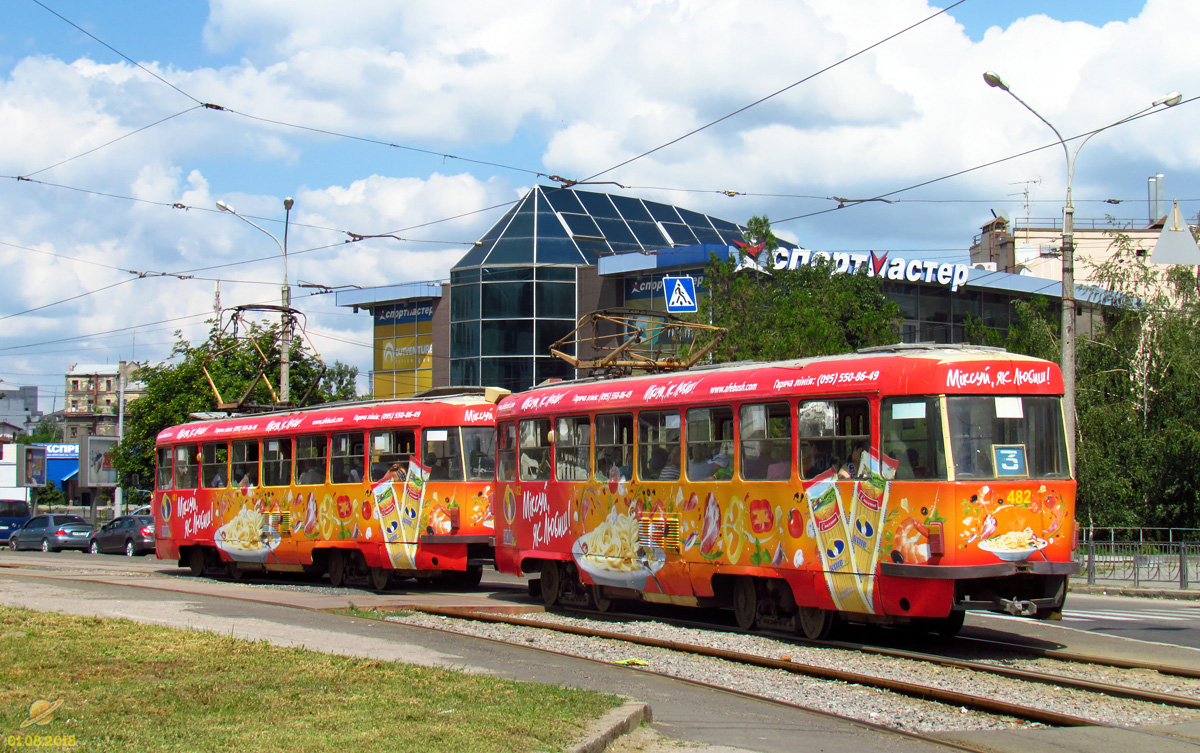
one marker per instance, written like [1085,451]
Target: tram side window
[710,444]
[479,447]
[658,445]
[162,476]
[187,466]
[573,448]
[765,432]
[390,451]
[442,454]
[310,460]
[346,458]
[614,446]
[277,462]
[911,429]
[833,435]
[533,438]
[214,466]
[506,451]
[245,463]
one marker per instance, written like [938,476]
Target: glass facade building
[518,291]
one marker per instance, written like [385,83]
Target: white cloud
[562,88]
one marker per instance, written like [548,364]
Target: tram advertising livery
[382,489]
[901,485]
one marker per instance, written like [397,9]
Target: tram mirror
[902,411]
[1009,407]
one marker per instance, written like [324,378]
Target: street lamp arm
[226,208]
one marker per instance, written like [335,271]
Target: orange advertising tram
[383,489]
[899,485]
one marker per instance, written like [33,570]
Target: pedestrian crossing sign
[681,295]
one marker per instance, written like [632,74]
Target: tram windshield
[1007,437]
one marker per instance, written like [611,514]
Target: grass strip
[132,687]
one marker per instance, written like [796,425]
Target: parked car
[13,514]
[51,533]
[131,534]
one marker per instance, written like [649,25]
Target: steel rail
[1103,688]
[902,687]
[1067,656]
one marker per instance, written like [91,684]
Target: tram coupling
[1019,607]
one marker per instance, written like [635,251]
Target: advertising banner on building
[95,462]
[31,466]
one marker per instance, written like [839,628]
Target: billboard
[95,462]
[31,466]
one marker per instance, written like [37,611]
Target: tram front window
[1007,437]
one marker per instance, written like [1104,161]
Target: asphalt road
[1168,621]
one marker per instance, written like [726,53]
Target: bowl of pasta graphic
[612,556]
[245,538]
[1013,546]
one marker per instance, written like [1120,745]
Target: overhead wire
[789,87]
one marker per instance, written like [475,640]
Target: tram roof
[466,405]
[899,369]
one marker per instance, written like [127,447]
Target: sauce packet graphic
[402,537]
[825,506]
[867,509]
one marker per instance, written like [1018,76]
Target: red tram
[897,485]
[382,489]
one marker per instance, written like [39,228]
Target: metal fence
[1165,557]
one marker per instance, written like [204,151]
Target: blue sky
[567,89]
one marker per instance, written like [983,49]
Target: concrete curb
[619,721]
[1147,593]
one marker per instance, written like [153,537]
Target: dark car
[13,513]
[51,533]
[131,534]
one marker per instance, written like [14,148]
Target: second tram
[382,489]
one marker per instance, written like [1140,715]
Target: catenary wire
[757,102]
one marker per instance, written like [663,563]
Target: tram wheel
[814,623]
[196,561]
[337,568]
[551,582]
[602,603]
[381,578]
[745,602]
[236,574]
[948,627]
[465,580]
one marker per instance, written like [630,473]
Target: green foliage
[46,432]
[792,313]
[50,495]
[1138,397]
[179,387]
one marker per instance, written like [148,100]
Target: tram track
[916,690]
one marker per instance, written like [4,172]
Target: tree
[179,387]
[793,313]
[1138,396]
[46,432]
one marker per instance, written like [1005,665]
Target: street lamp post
[285,334]
[1068,252]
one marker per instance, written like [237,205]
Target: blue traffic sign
[681,295]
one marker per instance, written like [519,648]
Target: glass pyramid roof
[555,225]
